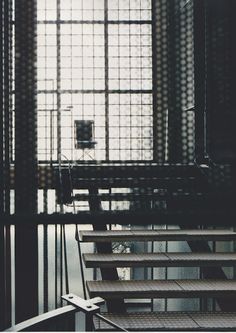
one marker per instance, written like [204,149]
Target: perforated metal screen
[143,73]
[118,111]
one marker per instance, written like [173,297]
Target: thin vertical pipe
[166,273]
[2,279]
[80,261]
[45,267]
[55,266]
[61,264]
[106,50]
[152,270]
[65,261]
[58,34]
[45,254]
[58,93]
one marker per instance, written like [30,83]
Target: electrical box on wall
[84,134]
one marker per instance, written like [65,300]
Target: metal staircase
[181,195]
[223,290]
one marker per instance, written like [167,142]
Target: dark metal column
[2,294]
[5,116]
[159,78]
[1,112]
[174,83]
[221,80]
[200,78]
[2,274]
[7,149]
[26,242]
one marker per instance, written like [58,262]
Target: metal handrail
[45,317]
[77,304]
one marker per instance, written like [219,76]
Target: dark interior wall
[173,80]
[221,80]
[194,65]
[180,81]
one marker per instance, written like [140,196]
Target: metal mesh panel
[142,72]
[122,106]
[95,63]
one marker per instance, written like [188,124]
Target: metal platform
[162,289]
[93,260]
[177,321]
[155,182]
[160,235]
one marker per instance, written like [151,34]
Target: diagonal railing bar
[108,321]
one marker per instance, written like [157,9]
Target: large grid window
[95,63]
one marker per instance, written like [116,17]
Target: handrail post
[88,307]
[89,322]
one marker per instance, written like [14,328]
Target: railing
[63,319]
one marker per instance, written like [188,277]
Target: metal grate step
[162,288]
[160,235]
[177,321]
[158,259]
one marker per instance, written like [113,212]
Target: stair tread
[157,259]
[119,235]
[158,321]
[162,288]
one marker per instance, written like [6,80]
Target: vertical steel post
[88,322]
[1,177]
[26,237]
[7,150]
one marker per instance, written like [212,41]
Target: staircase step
[163,321]
[93,260]
[160,235]
[162,288]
